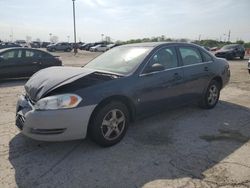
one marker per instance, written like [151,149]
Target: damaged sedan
[129,81]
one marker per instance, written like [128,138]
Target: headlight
[58,102]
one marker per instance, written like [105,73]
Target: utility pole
[102,37]
[74,19]
[199,37]
[50,35]
[229,34]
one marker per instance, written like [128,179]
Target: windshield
[228,47]
[121,60]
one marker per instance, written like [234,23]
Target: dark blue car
[101,98]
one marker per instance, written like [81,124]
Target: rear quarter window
[206,56]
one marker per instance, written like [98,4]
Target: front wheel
[109,124]
[211,96]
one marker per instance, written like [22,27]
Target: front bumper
[52,125]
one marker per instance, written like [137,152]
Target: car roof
[20,48]
[156,44]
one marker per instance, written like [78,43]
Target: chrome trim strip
[176,68]
[173,46]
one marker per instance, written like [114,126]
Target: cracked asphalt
[184,147]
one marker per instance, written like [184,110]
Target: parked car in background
[23,62]
[99,48]
[9,45]
[45,44]
[86,46]
[231,51]
[101,98]
[22,43]
[61,46]
[35,44]
[102,47]
[93,44]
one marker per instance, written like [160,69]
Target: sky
[125,19]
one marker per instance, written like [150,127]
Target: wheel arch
[219,80]
[125,100]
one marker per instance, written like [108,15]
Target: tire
[211,96]
[53,50]
[105,129]
[68,50]
[242,57]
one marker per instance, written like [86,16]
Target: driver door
[159,90]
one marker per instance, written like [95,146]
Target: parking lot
[185,147]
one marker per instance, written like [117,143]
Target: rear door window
[32,54]
[190,55]
[29,53]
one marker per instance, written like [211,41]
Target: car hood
[51,78]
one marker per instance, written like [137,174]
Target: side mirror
[155,68]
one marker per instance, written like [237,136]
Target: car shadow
[13,82]
[171,145]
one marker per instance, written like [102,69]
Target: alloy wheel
[113,124]
[213,94]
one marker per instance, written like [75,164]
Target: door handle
[35,62]
[205,68]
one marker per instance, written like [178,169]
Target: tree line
[208,42]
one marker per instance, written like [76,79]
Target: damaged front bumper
[52,125]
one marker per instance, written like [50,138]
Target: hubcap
[213,95]
[113,124]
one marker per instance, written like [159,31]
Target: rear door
[47,60]
[197,71]
[31,62]
[162,89]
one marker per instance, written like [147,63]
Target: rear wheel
[109,124]
[211,96]
[242,57]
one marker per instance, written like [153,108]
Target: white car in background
[22,43]
[101,47]
[98,48]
